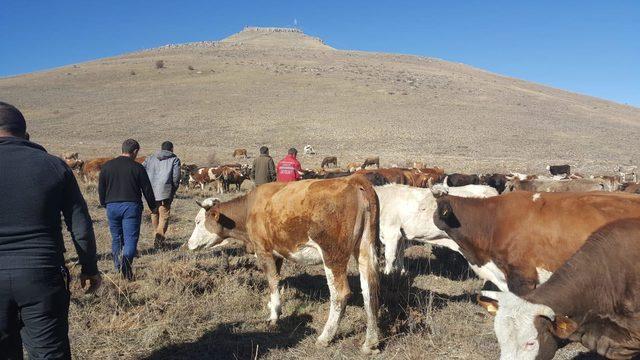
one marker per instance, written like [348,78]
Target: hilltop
[281,87]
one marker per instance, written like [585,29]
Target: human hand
[94,282]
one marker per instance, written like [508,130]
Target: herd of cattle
[562,249]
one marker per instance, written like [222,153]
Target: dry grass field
[284,89]
[212,305]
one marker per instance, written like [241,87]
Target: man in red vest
[289,168]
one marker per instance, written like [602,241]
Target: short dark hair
[12,120]
[292,151]
[167,145]
[264,150]
[129,146]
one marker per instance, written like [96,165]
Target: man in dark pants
[121,182]
[35,188]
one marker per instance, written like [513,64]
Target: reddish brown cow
[91,169]
[594,298]
[232,176]
[517,239]
[392,175]
[329,160]
[309,222]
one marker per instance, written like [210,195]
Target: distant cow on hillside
[371,161]
[308,150]
[329,160]
[240,153]
[559,169]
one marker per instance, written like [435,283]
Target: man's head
[293,152]
[12,122]
[167,145]
[264,150]
[130,147]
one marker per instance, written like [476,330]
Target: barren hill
[282,88]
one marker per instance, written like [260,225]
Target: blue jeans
[124,223]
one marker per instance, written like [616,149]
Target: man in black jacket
[35,188]
[121,184]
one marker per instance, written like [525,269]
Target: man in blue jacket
[163,169]
[35,188]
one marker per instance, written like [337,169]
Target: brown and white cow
[309,222]
[594,298]
[518,239]
[353,166]
[73,161]
[204,176]
[240,153]
[329,160]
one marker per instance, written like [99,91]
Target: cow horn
[439,190]
[199,204]
[544,310]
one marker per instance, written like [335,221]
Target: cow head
[525,330]
[211,226]
[444,217]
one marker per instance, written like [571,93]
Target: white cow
[408,211]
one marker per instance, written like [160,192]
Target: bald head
[11,121]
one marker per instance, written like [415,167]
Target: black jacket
[122,179]
[35,188]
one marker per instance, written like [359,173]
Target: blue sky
[589,47]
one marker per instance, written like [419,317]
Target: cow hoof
[322,343]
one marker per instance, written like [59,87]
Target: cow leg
[268,265]
[393,252]
[339,290]
[369,281]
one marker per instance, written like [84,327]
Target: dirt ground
[212,304]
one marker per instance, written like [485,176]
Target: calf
[240,153]
[309,222]
[462,179]
[594,298]
[559,170]
[371,161]
[518,239]
[232,176]
[407,213]
[329,160]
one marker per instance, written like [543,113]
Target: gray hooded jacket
[163,169]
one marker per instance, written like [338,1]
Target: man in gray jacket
[163,169]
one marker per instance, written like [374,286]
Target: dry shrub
[160,64]
[190,68]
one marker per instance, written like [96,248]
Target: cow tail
[370,241]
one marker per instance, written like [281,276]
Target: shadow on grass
[229,341]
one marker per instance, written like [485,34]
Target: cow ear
[215,214]
[563,327]
[491,305]
[446,214]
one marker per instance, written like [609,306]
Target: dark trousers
[34,309]
[124,224]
